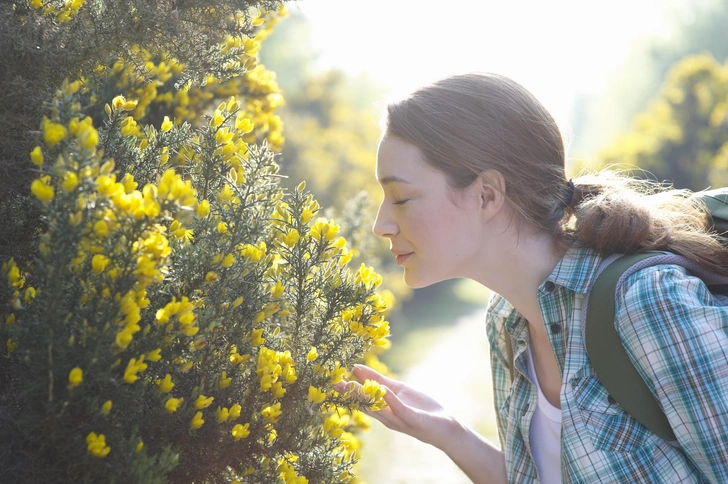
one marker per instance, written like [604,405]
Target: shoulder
[664,313]
[660,289]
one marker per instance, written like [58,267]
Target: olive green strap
[609,358]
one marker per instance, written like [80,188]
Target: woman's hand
[414,413]
[408,411]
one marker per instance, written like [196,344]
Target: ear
[491,191]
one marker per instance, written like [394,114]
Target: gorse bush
[187,330]
[183,317]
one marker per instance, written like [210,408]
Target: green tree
[682,136]
[694,28]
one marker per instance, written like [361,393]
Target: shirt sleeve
[676,334]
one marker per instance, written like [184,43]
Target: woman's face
[432,231]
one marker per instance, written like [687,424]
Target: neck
[516,268]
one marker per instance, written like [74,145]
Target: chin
[418,281]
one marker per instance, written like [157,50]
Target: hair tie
[569,193]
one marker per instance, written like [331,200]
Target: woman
[472,169]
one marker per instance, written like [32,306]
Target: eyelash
[402,202]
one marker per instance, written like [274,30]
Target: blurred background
[642,84]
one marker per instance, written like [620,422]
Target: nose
[384,226]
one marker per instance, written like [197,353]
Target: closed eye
[402,202]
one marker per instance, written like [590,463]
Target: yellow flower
[222,228]
[223,136]
[277,290]
[256,335]
[42,190]
[243,124]
[203,402]
[211,277]
[36,4]
[312,354]
[89,137]
[118,102]
[165,385]
[225,193]
[224,380]
[217,119]
[75,377]
[272,413]
[106,407]
[315,395]
[139,446]
[96,445]
[292,237]
[132,368]
[155,355]
[375,391]
[101,228]
[197,421]
[164,155]
[70,181]
[36,156]
[203,208]
[129,183]
[241,431]
[173,404]
[53,133]
[228,261]
[12,345]
[222,414]
[277,390]
[235,411]
[99,263]
[166,124]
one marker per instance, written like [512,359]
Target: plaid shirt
[675,332]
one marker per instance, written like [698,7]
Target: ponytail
[615,213]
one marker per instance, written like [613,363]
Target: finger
[345,386]
[363,372]
[398,408]
[395,416]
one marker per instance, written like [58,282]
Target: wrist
[451,439]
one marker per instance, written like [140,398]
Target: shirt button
[556,328]
[549,286]
[611,400]
[525,409]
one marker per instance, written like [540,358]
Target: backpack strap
[604,346]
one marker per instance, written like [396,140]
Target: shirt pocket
[610,428]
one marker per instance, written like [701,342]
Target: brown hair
[468,123]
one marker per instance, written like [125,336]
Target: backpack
[608,357]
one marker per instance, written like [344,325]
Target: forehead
[399,160]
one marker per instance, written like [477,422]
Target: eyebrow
[392,179]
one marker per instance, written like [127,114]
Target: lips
[401,258]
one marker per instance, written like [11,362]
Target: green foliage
[682,136]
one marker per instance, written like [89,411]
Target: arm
[676,335]
[419,416]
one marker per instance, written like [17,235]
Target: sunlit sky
[556,48]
